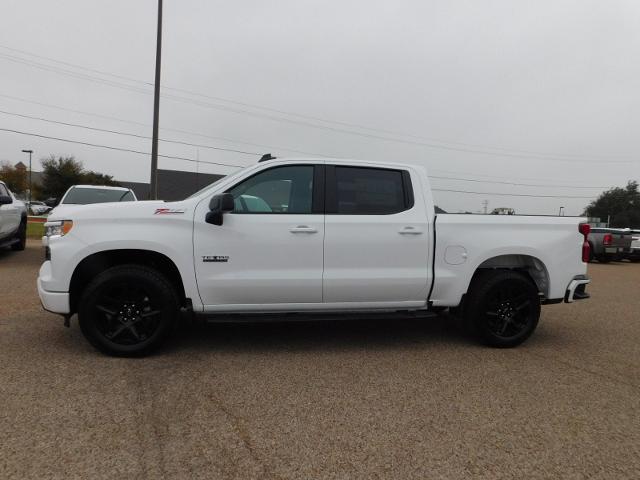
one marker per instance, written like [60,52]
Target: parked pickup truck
[305,238]
[13,220]
[608,244]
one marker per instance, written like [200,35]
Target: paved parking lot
[394,399]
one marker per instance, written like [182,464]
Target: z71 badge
[215,258]
[169,211]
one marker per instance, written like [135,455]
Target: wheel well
[530,266]
[95,264]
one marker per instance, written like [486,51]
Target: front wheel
[21,237]
[502,308]
[128,310]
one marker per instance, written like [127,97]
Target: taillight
[584,229]
[607,239]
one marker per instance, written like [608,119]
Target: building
[173,184]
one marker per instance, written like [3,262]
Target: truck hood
[117,210]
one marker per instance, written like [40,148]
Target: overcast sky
[541,93]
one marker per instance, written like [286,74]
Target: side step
[312,317]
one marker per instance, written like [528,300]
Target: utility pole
[30,152]
[485,204]
[153,190]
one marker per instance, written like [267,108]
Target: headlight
[57,229]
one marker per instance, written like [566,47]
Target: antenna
[266,156]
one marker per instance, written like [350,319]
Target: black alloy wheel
[128,310]
[503,307]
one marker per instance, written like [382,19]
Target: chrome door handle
[303,229]
[410,231]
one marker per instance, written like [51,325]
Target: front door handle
[303,229]
[410,231]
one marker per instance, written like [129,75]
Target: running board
[312,317]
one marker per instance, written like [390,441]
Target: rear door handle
[303,229]
[410,231]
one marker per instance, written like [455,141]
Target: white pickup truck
[309,238]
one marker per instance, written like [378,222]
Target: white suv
[13,220]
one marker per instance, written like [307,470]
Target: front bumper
[55,302]
[576,290]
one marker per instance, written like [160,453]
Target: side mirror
[218,205]
[5,200]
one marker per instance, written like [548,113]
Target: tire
[591,255]
[21,244]
[502,308]
[603,258]
[128,311]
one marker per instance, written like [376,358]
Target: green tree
[58,174]
[95,178]
[16,177]
[621,203]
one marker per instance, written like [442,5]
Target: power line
[513,183]
[185,132]
[309,117]
[117,132]
[236,165]
[287,149]
[110,147]
[508,194]
[427,144]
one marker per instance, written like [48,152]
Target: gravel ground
[383,399]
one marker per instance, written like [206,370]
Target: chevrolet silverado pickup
[305,239]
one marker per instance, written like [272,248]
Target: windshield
[85,196]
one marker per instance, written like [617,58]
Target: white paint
[317,262]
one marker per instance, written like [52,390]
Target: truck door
[268,251]
[376,238]
[9,215]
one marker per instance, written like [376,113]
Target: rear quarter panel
[554,241]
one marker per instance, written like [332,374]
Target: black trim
[551,301]
[407,187]
[317,193]
[433,263]
[331,190]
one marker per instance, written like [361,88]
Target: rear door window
[369,191]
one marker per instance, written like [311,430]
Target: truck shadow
[361,334]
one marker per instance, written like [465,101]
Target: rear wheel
[603,258]
[21,236]
[502,308]
[128,310]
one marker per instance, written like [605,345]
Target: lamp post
[30,152]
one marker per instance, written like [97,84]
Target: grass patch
[35,230]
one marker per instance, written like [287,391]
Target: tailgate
[621,240]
